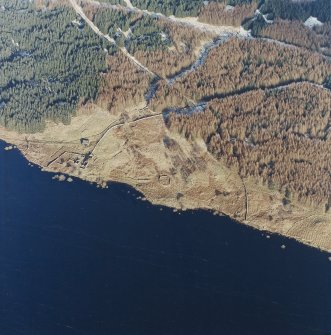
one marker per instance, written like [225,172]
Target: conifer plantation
[49,63]
[260,103]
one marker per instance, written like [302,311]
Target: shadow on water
[75,259]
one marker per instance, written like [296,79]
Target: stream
[201,59]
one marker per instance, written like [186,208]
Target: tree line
[242,65]
[163,47]
[298,10]
[50,62]
[181,8]
[123,84]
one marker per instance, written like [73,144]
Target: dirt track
[81,13]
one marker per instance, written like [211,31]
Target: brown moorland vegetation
[281,137]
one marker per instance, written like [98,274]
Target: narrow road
[193,22]
[101,134]
[134,60]
[81,13]
[128,3]
[122,123]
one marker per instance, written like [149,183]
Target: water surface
[75,259]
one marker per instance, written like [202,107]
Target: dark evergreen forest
[298,10]
[284,9]
[145,34]
[49,62]
[180,7]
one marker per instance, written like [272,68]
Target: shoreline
[156,202]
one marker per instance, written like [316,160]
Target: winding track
[122,123]
[192,22]
[81,13]
[100,137]
[223,32]
[119,122]
[129,4]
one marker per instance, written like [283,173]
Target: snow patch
[229,8]
[265,17]
[164,36]
[312,22]
[14,43]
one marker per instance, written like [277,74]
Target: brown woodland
[242,65]
[281,137]
[123,85]
[221,14]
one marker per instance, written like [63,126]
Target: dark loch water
[75,259]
